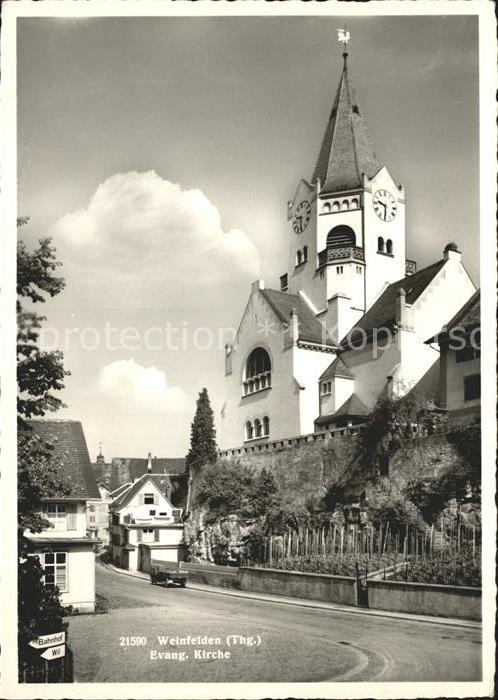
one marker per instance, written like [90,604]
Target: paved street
[289,643]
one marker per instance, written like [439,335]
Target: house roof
[310,328]
[382,313]
[346,151]
[337,368]
[161,481]
[121,489]
[468,318]
[137,466]
[354,406]
[70,449]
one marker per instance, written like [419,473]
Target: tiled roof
[468,317]
[137,466]
[383,312]
[162,481]
[121,489]
[70,449]
[346,151]
[310,328]
[354,406]
[337,368]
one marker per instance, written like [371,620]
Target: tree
[202,435]
[39,374]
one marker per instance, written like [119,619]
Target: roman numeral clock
[301,216]
[384,205]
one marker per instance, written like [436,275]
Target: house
[144,523]
[65,551]
[459,344]
[98,515]
[290,370]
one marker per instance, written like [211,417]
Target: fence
[448,553]
[53,671]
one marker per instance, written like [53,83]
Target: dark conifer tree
[202,435]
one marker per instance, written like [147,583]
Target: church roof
[310,328]
[346,151]
[353,407]
[468,318]
[382,313]
[337,368]
[71,452]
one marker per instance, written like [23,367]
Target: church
[349,318]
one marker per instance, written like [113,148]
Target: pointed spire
[346,151]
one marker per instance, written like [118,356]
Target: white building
[460,364]
[65,551]
[145,525]
[98,515]
[346,268]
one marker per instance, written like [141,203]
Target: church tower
[347,225]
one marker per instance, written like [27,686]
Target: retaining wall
[425,599]
[222,576]
[332,589]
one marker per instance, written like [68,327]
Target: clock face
[301,216]
[384,205]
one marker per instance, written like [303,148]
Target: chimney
[451,252]
[294,325]
[401,308]
[149,463]
[257,285]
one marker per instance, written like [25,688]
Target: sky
[160,153]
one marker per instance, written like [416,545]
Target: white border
[487,87]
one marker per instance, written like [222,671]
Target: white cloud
[144,241]
[134,386]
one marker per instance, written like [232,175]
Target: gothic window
[249,430]
[389,246]
[257,427]
[380,244]
[341,236]
[266,426]
[257,371]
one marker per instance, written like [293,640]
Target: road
[295,643]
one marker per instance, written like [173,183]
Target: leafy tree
[202,435]
[39,374]
[225,487]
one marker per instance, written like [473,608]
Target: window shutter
[139,535]
[71,516]
[156,535]
[141,499]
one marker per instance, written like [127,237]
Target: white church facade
[351,315]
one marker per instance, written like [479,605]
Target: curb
[317,605]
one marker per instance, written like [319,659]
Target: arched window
[266,426]
[336,206]
[257,371]
[354,203]
[345,205]
[341,236]
[249,430]
[389,246]
[326,207]
[257,428]
[299,257]
[380,244]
